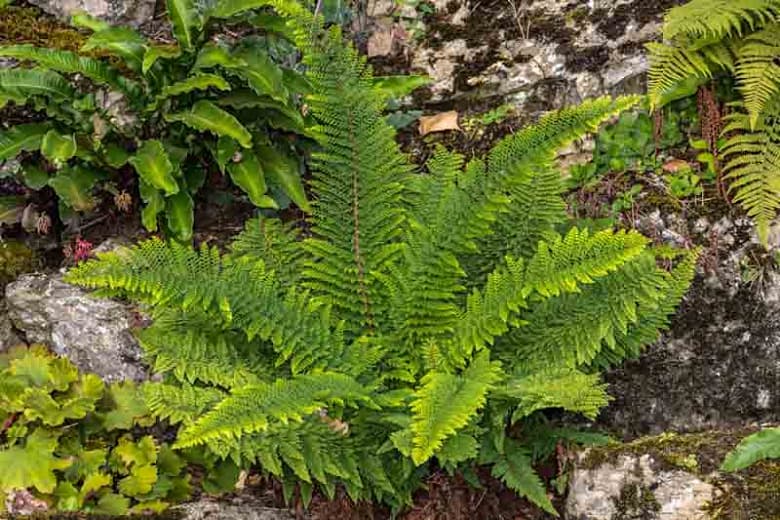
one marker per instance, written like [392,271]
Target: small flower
[123,201]
[43,224]
[82,251]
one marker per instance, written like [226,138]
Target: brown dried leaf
[380,43]
[676,165]
[439,122]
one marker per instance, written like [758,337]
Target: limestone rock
[235,508]
[8,337]
[634,486]
[94,333]
[125,12]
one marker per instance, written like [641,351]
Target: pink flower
[82,251]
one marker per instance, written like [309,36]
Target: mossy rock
[15,259]
[30,25]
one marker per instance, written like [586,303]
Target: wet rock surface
[94,333]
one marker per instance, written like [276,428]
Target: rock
[94,333]
[124,12]
[242,507]
[540,54]
[633,486]
[670,477]
[8,336]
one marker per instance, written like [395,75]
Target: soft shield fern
[707,39]
[416,318]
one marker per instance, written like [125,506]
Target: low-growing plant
[706,40]
[69,443]
[161,109]
[764,444]
[414,320]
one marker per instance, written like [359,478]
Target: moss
[15,259]
[748,494]
[29,25]
[636,502]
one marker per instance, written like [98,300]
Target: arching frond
[758,70]
[715,19]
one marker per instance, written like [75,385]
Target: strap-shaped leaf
[58,148]
[228,8]
[152,163]
[216,55]
[205,115]
[284,171]
[74,187]
[21,138]
[764,444]
[249,176]
[156,52]
[154,204]
[20,84]
[186,20]
[121,41]
[200,81]
[179,210]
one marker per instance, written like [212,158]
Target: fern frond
[715,19]
[21,138]
[562,264]
[357,215]
[514,469]
[571,329]
[275,243]
[191,348]
[764,444]
[753,165]
[447,402]
[198,81]
[185,19]
[21,84]
[120,41]
[181,403]
[208,117]
[758,71]
[566,388]
[252,408]
[68,62]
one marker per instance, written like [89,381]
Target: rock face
[94,333]
[633,487]
[535,54]
[237,508]
[8,337]
[719,365]
[125,12]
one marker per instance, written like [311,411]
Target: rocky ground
[713,378]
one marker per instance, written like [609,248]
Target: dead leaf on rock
[439,122]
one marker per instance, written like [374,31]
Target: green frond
[447,402]
[764,444]
[68,62]
[239,292]
[21,138]
[120,41]
[758,71]
[275,243]
[715,19]
[562,264]
[21,84]
[752,158]
[515,470]
[198,81]
[357,216]
[566,388]
[154,166]
[180,403]
[206,116]
[572,328]
[186,21]
[192,348]
[676,71]
[253,408]
[491,311]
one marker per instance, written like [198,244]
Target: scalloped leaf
[206,116]
[33,465]
[74,187]
[58,148]
[199,81]
[180,217]
[153,165]
[157,52]
[21,138]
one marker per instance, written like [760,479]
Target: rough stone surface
[8,337]
[237,508]
[634,486]
[537,54]
[719,365]
[94,333]
[127,12]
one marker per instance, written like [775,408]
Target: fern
[758,72]
[714,19]
[409,318]
[764,444]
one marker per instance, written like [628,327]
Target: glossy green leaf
[112,504]
[20,84]
[225,151]
[154,204]
[121,41]
[11,208]
[87,21]
[199,81]
[248,175]
[157,52]
[34,176]
[21,138]
[58,148]
[264,76]
[228,8]
[186,20]
[33,465]
[129,408]
[179,213]
[114,155]
[205,115]
[272,23]
[74,187]
[398,86]
[283,170]
[153,165]
[764,444]
[216,55]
